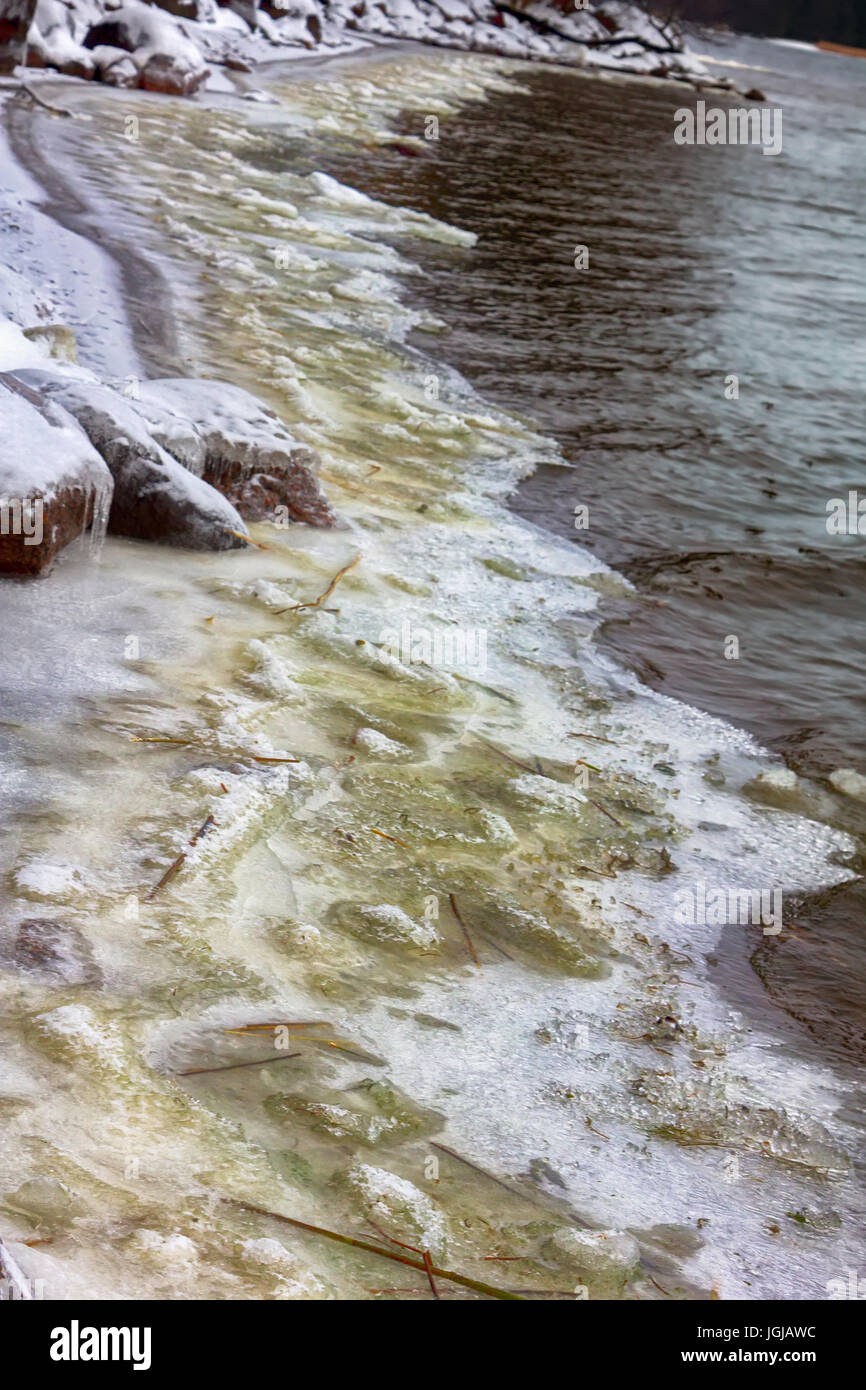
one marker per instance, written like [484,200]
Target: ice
[849,783]
[534,1066]
[46,880]
[42,450]
[398,1206]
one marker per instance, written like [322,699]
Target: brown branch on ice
[463,927]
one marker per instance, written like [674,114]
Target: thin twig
[600,872]
[491,1177]
[475,1284]
[55,110]
[197,743]
[204,829]
[463,927]
[272,1027]
[598,806]
[527,767]
[169,874]
[659,1287]
[317,602]
[495,944]
[590,1125]
[135,738]
[249,540]
[428,1265]
[234,1066]
[392,838]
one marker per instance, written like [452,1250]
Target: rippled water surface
[703,262]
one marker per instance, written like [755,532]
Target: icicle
[96,512]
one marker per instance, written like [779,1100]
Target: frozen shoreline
[130,44]
[497,1007]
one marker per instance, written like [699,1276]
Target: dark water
[702,263]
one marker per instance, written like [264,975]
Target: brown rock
[55,949]
[164,73]
[15,20]
[52,481]
[258,496]
[64,517]
[239,446]
[155,497]
[123,73]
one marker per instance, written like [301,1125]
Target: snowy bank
[173,46]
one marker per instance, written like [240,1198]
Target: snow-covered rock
[155,497]
[227,436]
[399,1207]
[170,42]
[69,34]
[53,483]
[15,19]
[189,458]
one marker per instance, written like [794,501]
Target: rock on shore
[181,462]
[179,455]
[172,46]
[155,497]
[53,483]
[229,438]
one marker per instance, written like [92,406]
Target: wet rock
[374,1113]
[121,73]
[115,65]
[55,949]
[378,745]
[54,40]
[14,22]
[238,445]
[155,497]
[165,59]
[52,481]
[48,1203]
[76,64]
[754,94]
[165,72]
[384,925]
[848,782]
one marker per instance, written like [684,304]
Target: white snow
[16,350]
[43,450]
[60,29]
